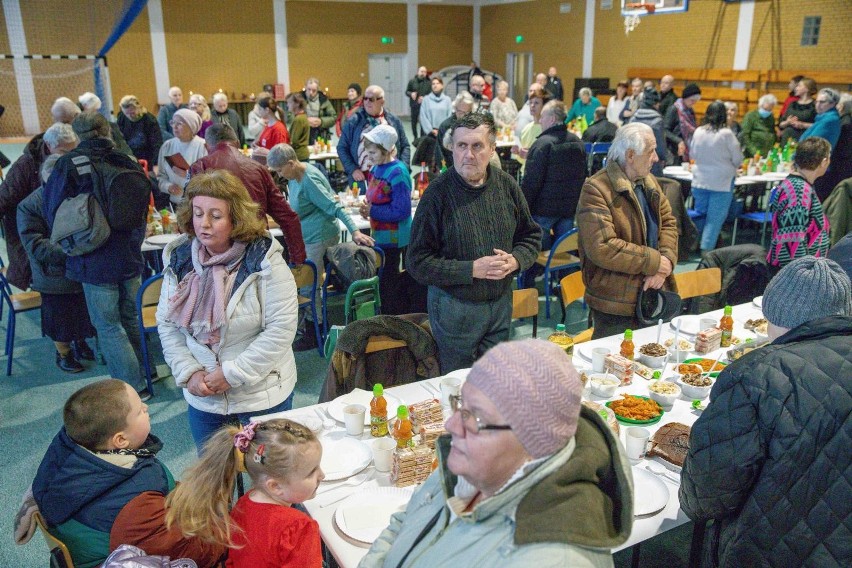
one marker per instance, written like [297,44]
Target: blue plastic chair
[17,304]
[558,258]
[762,217]
[147,299]
[306,275]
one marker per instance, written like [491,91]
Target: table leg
[637,552]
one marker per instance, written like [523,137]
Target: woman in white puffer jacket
[228,309]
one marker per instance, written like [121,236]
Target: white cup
[383,454]
[353,417]
[684,166]
[598,356]
[706,323]
[637,441]
[449,386]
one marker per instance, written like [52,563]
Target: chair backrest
[572,288]
[354,309]
[524,303]
[560,254]
[304,274]
[150,291]
[699,282]
[60,557]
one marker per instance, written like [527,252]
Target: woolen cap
[808,288]
[355,86]
[689,90]
[384,135]
[537,390]
[191,118]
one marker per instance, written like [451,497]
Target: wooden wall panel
[446,35]
[131,65]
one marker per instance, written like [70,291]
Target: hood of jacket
[70,478]
[37,149]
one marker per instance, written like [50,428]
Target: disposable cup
[450,386]
[598,356]
[637,441]
[706,323]
[353,418]
[383,454]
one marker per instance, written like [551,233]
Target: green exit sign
[519,39]
[387,40]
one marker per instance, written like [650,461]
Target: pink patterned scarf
[686,117]
[199,302]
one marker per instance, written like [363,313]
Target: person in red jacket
[223,154]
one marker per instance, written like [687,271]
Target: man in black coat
[555,172]
[769,458]
[417,88]
[601,130]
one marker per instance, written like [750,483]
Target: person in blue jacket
[827,122]
[350,147]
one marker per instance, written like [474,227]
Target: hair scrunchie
[243,438]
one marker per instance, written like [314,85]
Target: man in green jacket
[758,128]
[320,111]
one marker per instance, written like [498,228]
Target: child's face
[302,483]
[138,421]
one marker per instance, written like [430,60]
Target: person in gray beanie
[769,458]
[521,447]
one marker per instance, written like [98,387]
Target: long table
[348,552]
[678,172]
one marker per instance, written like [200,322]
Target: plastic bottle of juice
[561,338]
[627,345]
[402,429]
[355,189]
[422,180]
[726,324]
[165,215]
[378,412]
[443,166]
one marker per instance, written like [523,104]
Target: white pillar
[158,50]
[282,53]
[23,71]
[477,22]
[413,39]
[744,27]
[589,38]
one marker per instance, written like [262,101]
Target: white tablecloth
[348,553]
[678,172]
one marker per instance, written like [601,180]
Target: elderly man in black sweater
[471,233]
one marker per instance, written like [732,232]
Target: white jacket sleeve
[280,309]
[175,350]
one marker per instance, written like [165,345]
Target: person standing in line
[417,88]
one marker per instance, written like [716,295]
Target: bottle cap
[628,334]
[728,310]
[402,412]
[378,389]
[560,327]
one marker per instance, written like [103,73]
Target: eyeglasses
[174,123]
[374,99]
[472,423]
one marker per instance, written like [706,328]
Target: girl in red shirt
[282,458]
[275,131]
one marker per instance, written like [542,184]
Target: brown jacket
[612,247]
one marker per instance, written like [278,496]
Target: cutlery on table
[329,496]
[662,472]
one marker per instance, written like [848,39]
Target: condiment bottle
[378,412]
[422,180]
[355,189]
[627,345]
[402,429]
[561,338]
[726,324]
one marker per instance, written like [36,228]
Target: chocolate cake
[671,442]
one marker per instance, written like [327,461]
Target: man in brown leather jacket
[628,235]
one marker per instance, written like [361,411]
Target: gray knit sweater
[456,224]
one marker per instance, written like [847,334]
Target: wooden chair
[525,305]
[60,557]
[699,282]
[147,299]
[573,289]
[305,276]
[17,304]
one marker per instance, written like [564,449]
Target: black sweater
[456,224]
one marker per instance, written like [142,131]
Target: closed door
[519,75]
[388,70]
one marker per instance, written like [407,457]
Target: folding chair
[558,258]
[147,299]
[328,291]
[356,306]
[525,305]
[60,557]
[762,217]
[306,275]
[573,289]
[699,282]
[17,304]
[597,149]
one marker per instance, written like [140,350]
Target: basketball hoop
[632,20]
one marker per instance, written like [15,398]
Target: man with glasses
[350,147]
[521,481]
[827,122]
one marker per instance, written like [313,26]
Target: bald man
[554,85]
[167,112]
[418,87]
[667,94]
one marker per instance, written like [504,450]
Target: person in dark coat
[224,115]
[555,172]
[21,180]
[140,129]
[769,458]
[418,87]
[601,130]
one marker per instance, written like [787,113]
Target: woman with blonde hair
[503,108]
[199,104]
[800,114]
[228,308]
[140,129]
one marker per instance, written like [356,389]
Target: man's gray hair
[220,97]
[474,120]
[557,110]
[220,132]
[845,104]
[376,89]
[768,98]
[279,155]
[631,136]
[58,134]
[47,166]
[313,80]
[90,101]
[585,91]
[64,110]
[465,98]
[832,95]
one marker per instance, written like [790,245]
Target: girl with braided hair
[282,458]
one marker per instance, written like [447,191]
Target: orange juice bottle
[402,429]
[726,324]
[422,180]
[378,412]
[627,345]
[167,228]
[355,190]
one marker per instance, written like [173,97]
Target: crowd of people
[229,319]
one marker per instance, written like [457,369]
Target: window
[810,31]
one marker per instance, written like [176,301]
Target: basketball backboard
[644,7]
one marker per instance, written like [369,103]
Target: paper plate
[161,240]
[362,397]
[650,493]
[758,302]
[343,457]
[689,325]
[584,351]
[364,515]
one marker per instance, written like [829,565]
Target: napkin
[359,517]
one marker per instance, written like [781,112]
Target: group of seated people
[228,321]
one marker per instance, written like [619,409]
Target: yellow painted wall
[446,35]
[131,65]
[332,41]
